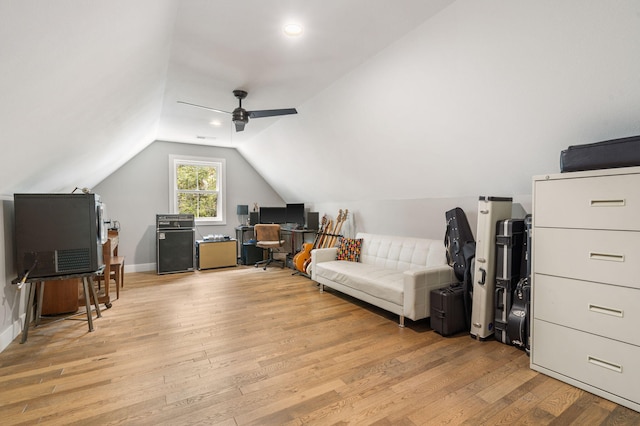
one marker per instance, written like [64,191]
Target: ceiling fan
[241,116]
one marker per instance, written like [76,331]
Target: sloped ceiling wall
[475,101]
[225,44]
[87,85]
[81,86]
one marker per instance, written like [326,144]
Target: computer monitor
[295,214]
[273,215]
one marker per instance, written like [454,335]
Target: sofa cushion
[378,281]
[349,249]
[401,253]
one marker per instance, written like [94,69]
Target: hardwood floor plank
[243,346]
[511,382]
[585,410]
[510,409]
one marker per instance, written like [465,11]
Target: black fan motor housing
[239,114]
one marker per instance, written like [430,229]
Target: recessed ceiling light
[292,30]
[215,123]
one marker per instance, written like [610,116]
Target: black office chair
[268,238]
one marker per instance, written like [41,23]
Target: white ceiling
[414,85]
[87,85]
[223,45]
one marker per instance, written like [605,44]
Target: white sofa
[394,273]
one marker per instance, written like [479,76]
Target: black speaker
[313,220]
[254,218]
[175,250]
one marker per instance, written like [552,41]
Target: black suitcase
[510,267]
[623,152]
[447,310]
[458,234]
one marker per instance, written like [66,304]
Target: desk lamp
[242,210]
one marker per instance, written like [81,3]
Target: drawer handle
[605,364]
[606,256]
[606,311]
[607,203]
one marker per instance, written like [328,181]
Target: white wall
[12,299]
[82,85]
[423,218]
[474,102]
[139,190]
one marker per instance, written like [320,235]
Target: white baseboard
[140,267]
[9,335]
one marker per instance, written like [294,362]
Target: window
[197,187]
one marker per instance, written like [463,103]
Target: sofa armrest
[322,255]
[418,284]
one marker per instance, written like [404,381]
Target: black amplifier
[175,221]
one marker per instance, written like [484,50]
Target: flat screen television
[58,234]
[295,214]
[273,215]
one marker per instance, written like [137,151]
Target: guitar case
[518,321]
[458,234]
[490,211]
[510,267]
[469,252]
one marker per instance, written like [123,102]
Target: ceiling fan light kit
[240,116]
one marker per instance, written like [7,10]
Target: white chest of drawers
[586,281]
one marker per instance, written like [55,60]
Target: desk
[296,238]
[87,286]
[293,238]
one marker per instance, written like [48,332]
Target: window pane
[208,205]
[200,205]
[186,176]
[188,203]
[207,178]
[198,187]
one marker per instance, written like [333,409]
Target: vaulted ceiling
[87,85]
[396,99]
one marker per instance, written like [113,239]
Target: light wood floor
[244,346]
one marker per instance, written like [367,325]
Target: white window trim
[222,185]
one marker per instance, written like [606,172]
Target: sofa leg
[321,287]
[401,323]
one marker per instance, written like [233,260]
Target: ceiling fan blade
[204,107]
[240,116]
[271,112]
